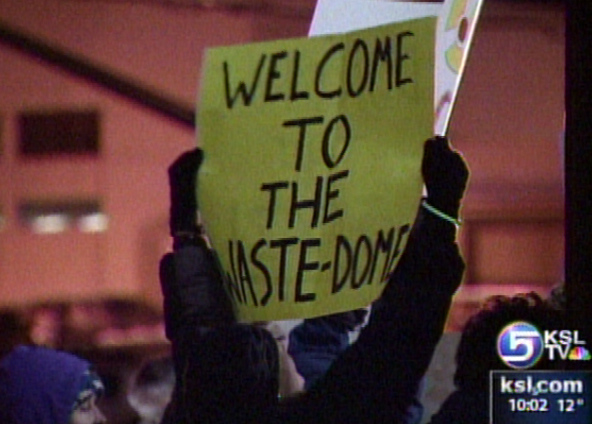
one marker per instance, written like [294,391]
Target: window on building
[63,132]
[54,217]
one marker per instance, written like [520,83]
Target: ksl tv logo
[520,345]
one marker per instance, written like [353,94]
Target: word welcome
[389,53]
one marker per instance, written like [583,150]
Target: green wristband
[440,214]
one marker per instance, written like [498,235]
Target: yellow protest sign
[311,178]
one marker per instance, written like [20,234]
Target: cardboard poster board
[311,178]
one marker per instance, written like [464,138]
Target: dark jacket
[464,407]
[375,379]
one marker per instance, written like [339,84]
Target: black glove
[182,182]
[191,279]
[445,174]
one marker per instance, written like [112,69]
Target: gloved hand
[182,182]
[445,174]
[191,281]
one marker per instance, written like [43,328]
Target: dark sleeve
[463,407]
[193,292]
[194,299]
[375,380]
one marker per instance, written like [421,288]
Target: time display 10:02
[529,405]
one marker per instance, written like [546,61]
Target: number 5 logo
[520,345]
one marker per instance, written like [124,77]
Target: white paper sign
[454,35]
[457,20]
[337,16]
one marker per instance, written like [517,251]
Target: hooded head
[42,386]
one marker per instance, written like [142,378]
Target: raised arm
[194,299]
[375,380]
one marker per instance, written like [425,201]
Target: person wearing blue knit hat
[39,385]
